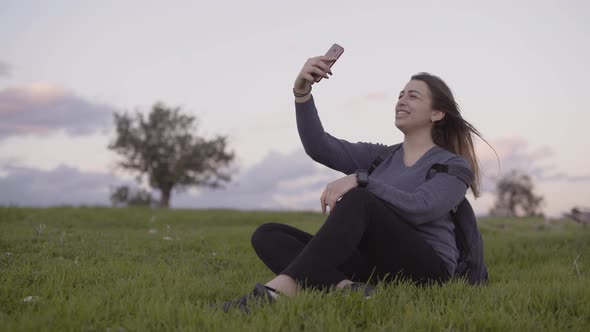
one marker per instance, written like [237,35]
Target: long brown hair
[452,132]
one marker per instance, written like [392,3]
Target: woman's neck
[418,142]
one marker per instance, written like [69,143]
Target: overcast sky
[519,71]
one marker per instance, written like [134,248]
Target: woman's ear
[437,115]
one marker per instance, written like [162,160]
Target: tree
[515,197]
[163,148]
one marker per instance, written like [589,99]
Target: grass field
[100,269]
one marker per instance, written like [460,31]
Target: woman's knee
[267,234]
[262,233]
[356,196]
[359,193]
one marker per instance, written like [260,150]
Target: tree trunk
[165,200]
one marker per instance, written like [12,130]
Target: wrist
[302,93]
[362,178]
[303,99]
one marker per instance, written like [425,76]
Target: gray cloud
[44,108]
[294,181]
[5,69]
[516,153]
[564,177]
[279,181]
[289,181]
[63,185]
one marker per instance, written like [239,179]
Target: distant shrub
[127,196]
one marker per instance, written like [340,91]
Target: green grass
[99,269]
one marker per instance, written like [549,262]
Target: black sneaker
[367,289]
[259,293]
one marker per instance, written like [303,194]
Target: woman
[392,223]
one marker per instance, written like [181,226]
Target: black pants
[363,239]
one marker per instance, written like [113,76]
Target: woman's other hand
[335,190]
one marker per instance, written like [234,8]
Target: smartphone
[334,51]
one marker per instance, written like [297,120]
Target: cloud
[63,185]
[566,177]
[377,96]
[516,153]
[43,108]
[278,181]
[4,69]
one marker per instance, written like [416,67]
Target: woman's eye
[413,97]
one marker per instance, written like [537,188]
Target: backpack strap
[462,172]
[384,155]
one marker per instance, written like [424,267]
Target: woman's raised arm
[322,147]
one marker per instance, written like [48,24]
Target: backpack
[470,265]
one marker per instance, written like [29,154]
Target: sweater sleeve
[431,200]
[337,154]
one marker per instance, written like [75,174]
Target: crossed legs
[363,239]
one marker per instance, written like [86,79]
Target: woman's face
[414,107]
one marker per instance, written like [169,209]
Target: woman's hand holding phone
[313,68]
[316,68]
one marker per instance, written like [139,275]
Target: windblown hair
[452,132]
